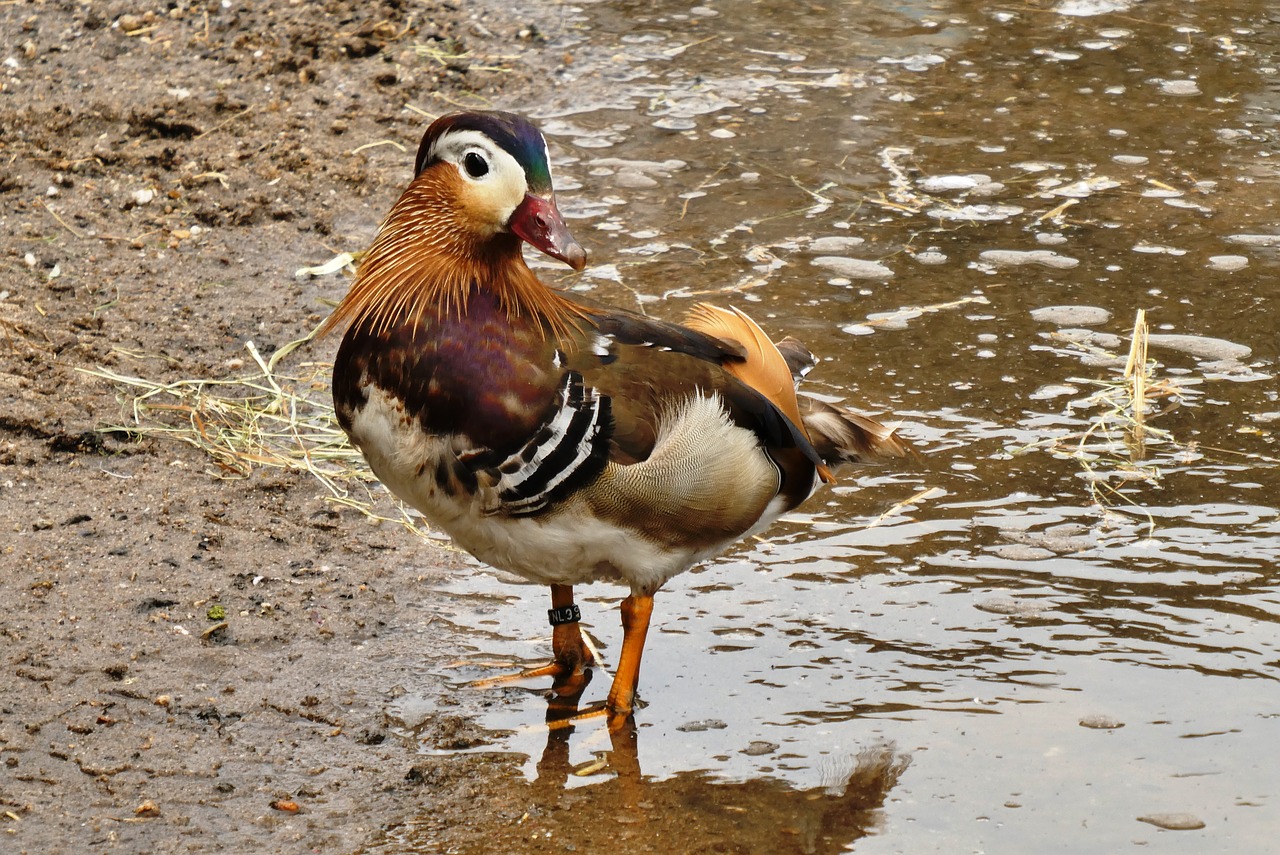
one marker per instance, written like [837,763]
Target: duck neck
[424,266]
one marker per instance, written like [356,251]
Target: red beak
[538,223]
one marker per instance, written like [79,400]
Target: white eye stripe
[454,146]
[499,190]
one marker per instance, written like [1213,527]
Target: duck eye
[475,164]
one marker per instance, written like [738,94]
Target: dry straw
[264,418]
[1112,449]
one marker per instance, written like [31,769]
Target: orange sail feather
[763,367]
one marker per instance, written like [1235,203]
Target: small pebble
[976,213]
[1179,87]
[634,179]
[834,243]
[943,183]
[854,268]
[1106,341]
[1014,258]
[1076,316]
[1173,821]
[675,123]
[702,724]
[1227,263]
[1013,552]
[1254,240]
[1199,346]
[1010,606]
[1049,391]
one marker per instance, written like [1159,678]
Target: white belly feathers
[706,483]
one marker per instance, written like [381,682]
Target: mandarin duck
[558,440]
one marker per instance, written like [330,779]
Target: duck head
[498,168]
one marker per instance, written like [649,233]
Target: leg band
[568,614]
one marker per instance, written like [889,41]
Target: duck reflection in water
[760,815]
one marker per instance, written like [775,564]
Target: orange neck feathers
[428,258]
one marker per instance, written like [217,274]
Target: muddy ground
[166,168]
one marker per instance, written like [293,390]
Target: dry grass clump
[265,417]
[1113,448]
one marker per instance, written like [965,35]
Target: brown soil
[167,166]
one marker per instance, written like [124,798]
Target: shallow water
[961,207]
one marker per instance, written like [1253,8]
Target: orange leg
[636,611]
[570,655]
